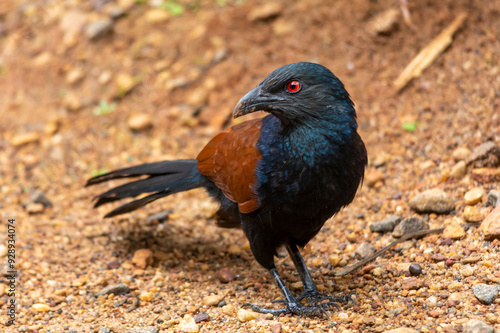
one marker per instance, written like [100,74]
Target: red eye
[293,86]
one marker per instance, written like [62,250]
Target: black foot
[296,309]
[324,301]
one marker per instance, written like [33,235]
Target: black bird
[278,178]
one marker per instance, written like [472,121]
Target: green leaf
[99,172]
[104,108]
[410,126]
[173,7]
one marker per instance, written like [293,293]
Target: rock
[202,316]
[401,330]
[143,258]
[456,297]
[140,122]
[25,138]
[386,225]
[409,225]
[145,296]
[213,299]
[491,225]
[411,283]
[98,29]
[147,329]
[104,330]
[39,197]
[277,328]
[334,260]
[160,217]
[474,214]
[225,275]
[117,289]
[485,293]
[157,15]
[124,82]
[3,250]
[373,176]
[72,101]
[113,264]
[384,22]
[117,12]
[75,75]
[265,12]
[471,260]
[459,170]
[481,154]
[40,307]
[432,201]
[415,269]
[486,175]
[234,249]
[460,153]
[454,231]
[188,325]
[474,195]
[365,250]
[246,315]
[477,326]
[438,257]
[494,198]
[34,208]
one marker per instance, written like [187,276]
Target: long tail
[165,178]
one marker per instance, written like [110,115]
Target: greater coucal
[278,178]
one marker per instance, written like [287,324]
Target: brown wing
[229,160]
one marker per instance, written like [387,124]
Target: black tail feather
[165,178]
[151,169]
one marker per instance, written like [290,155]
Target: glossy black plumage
[278,178]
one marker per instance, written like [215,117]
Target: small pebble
[460,153]
[474,214]
[474,195]
[156,16]
[477,326]
[104,330]
[98,29]
[201,316]
[117,289]
[432,201]
[213,299]
[147,329]
[225,275]
[459,170]
[454,231]
[438,257]
[35,208]
[401,330]
[41,307]
[145,296]
[365,250]
[415,269]
[246,315]
[265,12]
[188,325]
[277,328]
[411,283]
[409,225]
[140,122]
[38,196]
[494,198]
[491,225]
[113,264]
[481,152]
[25,138]
[143,258]
[386,225]
[485,293]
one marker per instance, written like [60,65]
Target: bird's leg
[311,292]
[293,306]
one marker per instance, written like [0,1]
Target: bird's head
[298,93]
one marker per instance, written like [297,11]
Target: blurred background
[90,86]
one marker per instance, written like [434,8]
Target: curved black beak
[255,100]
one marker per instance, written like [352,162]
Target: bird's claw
[296,309]
[317,299]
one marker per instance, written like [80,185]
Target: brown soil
[187,72]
